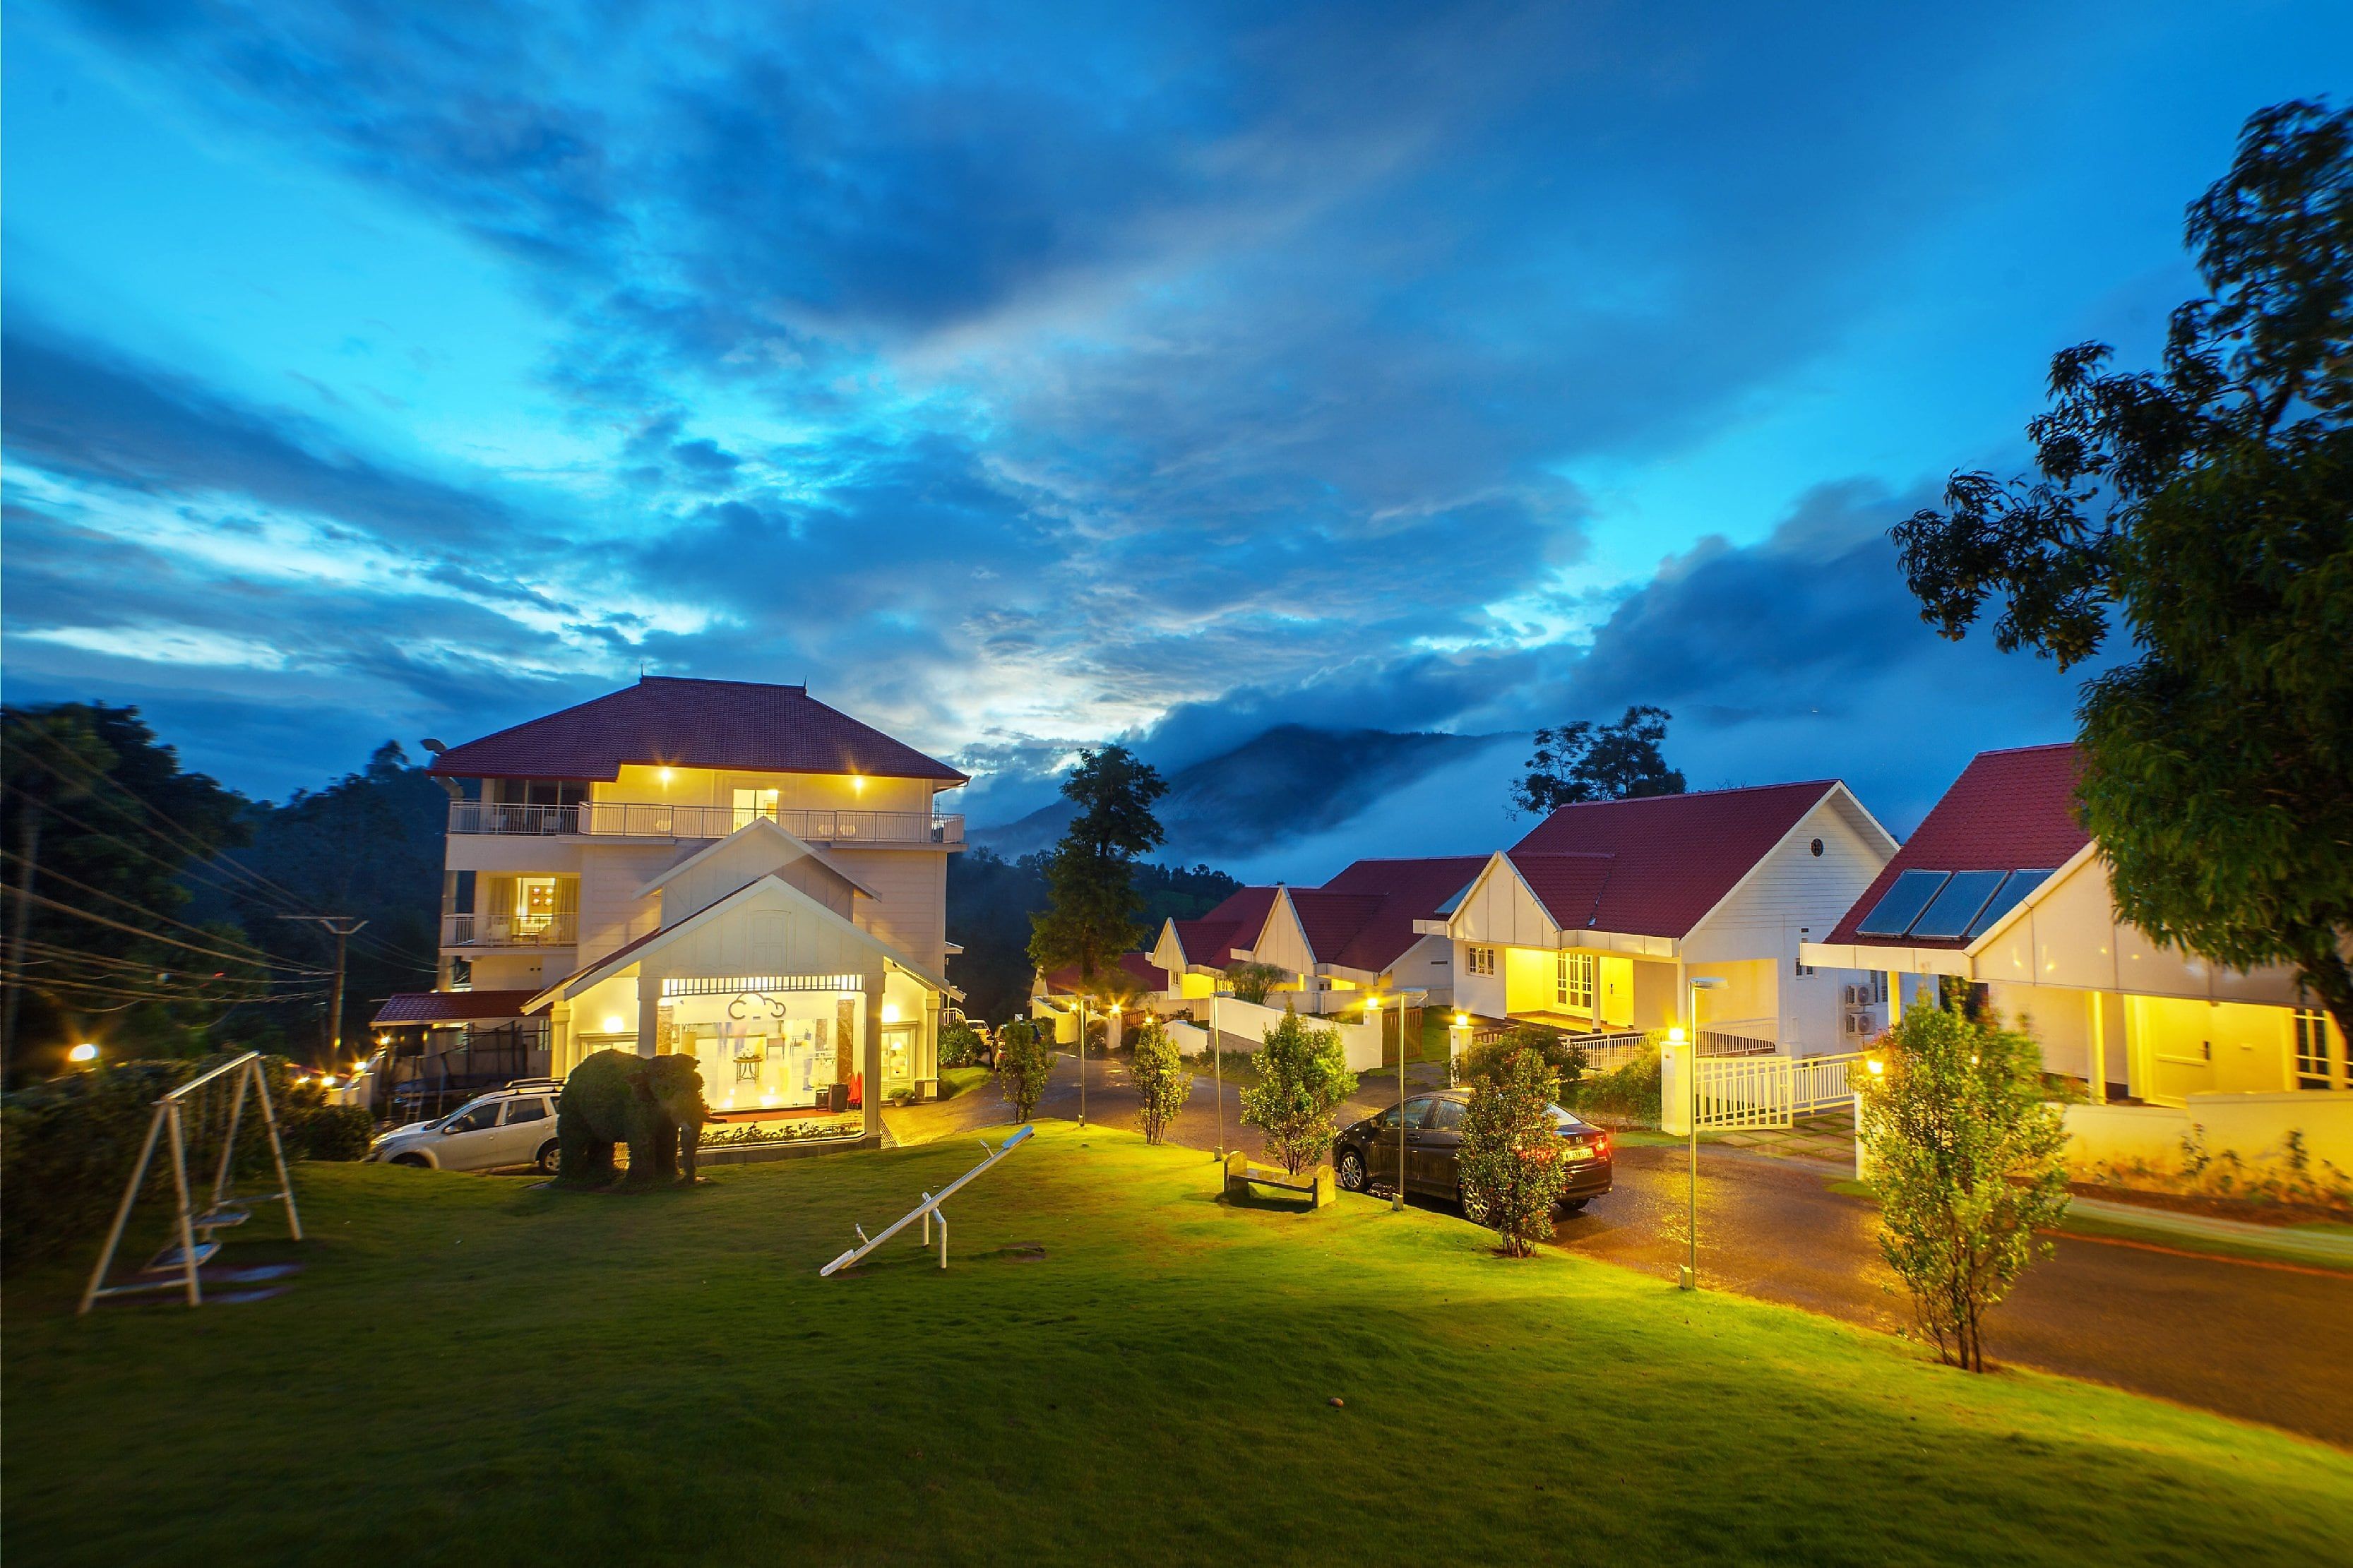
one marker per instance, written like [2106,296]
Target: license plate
[1577,1152]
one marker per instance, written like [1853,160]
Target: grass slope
[472,1371]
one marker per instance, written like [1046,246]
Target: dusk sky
[1022,378]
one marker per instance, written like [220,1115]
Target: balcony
[475,932]
[649,819]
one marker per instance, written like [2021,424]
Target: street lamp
[1699,982]
[82,1055]
[1218,1070]
[1372,1011]
[1082,1058]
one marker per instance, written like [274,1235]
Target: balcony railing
[509,931]
[649,819]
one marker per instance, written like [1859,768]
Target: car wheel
[413,1162]
[1574,1205]
[1352,1170]
[1473,1207]
[547,1157]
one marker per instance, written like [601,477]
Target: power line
[96,919]
[57,875]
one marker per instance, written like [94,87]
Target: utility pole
[343,926]
[30,852]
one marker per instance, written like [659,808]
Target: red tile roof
[1138,967]
[451,1007]
[2008,811]
[1656,866]
[1363,917]
[1235,922]
[664,720]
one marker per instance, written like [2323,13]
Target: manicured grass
[954,1081]
[1115,1367]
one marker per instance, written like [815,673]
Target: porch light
[1462,1020]
[663,775]
[890,1012]
[85,1052]
[1676,1034]
[1876,1066]
[858,784]
[612,1023]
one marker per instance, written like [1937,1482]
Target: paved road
[2262,1341]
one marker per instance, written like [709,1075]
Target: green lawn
[954,1081]
[472,1371]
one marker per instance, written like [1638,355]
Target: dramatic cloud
[1027,377]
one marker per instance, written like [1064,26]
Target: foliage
[1303,1077]
[2208,507]
[1581,762]
[1024,1058]
[67,1146]
[1093,909]
[1967,1155]
[805,1130]
[1161,1081]
[991,899]
[960,1043]
[100,820]
[1563,1057]
[1627,1096]
[2289,1175]
[1253,983]
[654,1105]
[1512,1171]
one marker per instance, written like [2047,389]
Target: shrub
[1252,982]
[960,1043]
[1562,1057]
[1023,1061]
[1965,1153]
[1162,1083]
[1303,1076]
[1627,1096]
[1511,1165]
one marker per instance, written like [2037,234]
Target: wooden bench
[1242,1175]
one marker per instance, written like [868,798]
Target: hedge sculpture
[652,1104]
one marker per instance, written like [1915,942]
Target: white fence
[1361,1042]
[1733,1093]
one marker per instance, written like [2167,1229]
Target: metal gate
[1736,1092]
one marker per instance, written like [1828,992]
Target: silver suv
[510,1126]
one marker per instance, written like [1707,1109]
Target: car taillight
[1601,1145]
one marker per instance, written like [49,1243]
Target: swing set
[203,1112]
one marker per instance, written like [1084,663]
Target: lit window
[534,902]
[1573,982]
[752,802]
[2312,1051]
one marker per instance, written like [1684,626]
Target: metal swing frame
[188,1254]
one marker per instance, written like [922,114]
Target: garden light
[85,1052]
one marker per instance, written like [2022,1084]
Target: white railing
[1739,1036]
[509,930]
[655,819]
[1822,1083]
[1743,1091]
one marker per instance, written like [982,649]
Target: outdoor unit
[1858,1022]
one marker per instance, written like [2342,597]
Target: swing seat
[221,1218]
[170,1258]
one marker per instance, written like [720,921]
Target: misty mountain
[1287,781]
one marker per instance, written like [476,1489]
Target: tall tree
[1581,761]
[1090,916]
[2207,506]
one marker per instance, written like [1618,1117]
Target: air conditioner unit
[1856,996]
[1859,1023]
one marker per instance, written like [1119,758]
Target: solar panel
[1894,914]
[2014,887]
[1950,914]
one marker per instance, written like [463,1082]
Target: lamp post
[1218,1071]
[1396,1189]
[1698,984]
[1082,1058]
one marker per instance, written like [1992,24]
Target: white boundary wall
[2254,1126]
[1360,1042]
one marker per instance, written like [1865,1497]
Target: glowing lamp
[84,1052]
[858,784]
[612,1023]
[384,1039]
[663,775]
[1877,1066]
[890,1012]
[1462,1020]
[1675,1036]
[1372,1004]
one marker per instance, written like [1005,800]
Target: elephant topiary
[652,1104]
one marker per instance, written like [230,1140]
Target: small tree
[1162,1083]
[1023,1060]
[960,1043]
[1965,1148]
[1580,762]
[1563,1056]
[1303,1077]
[1091,878]
[1254,982]
[1512,1170]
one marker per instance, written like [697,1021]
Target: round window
[1818,848]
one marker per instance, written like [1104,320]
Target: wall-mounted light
[663,775]
[1462,1020]
[612,1023]
[1675,1036]
[858,784]
[890,1012]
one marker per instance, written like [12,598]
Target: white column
[869,1030]
[648,1012]
[1674,1088]
[2099,1048]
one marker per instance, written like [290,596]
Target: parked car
[1366,1155]
[510,1126]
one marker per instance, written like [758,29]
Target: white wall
[1361,1042]
[1427,965]
[2252,1126]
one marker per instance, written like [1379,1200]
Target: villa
[725,868]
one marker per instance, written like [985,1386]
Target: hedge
[66,1146]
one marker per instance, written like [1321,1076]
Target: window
[1481,960]
[473,1119]
[2311,1049]
[1798,966]
[752,802]
[534,903]
[526,1111]
[1446,1116]
[1573,981]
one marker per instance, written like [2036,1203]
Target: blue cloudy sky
[1025,376]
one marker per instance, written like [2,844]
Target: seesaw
[927,1210]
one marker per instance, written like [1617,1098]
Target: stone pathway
[1829,1138]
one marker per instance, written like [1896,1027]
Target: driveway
[2262,1342]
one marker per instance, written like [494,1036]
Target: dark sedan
[1366,1155]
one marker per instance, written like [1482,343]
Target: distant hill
[1287,780]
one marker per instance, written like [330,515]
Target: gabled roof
[668,722]
[2008,811]
[1138,967]
[1363,917]
[763,827]
[1235,922]
[451,1007]
[1658,865]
